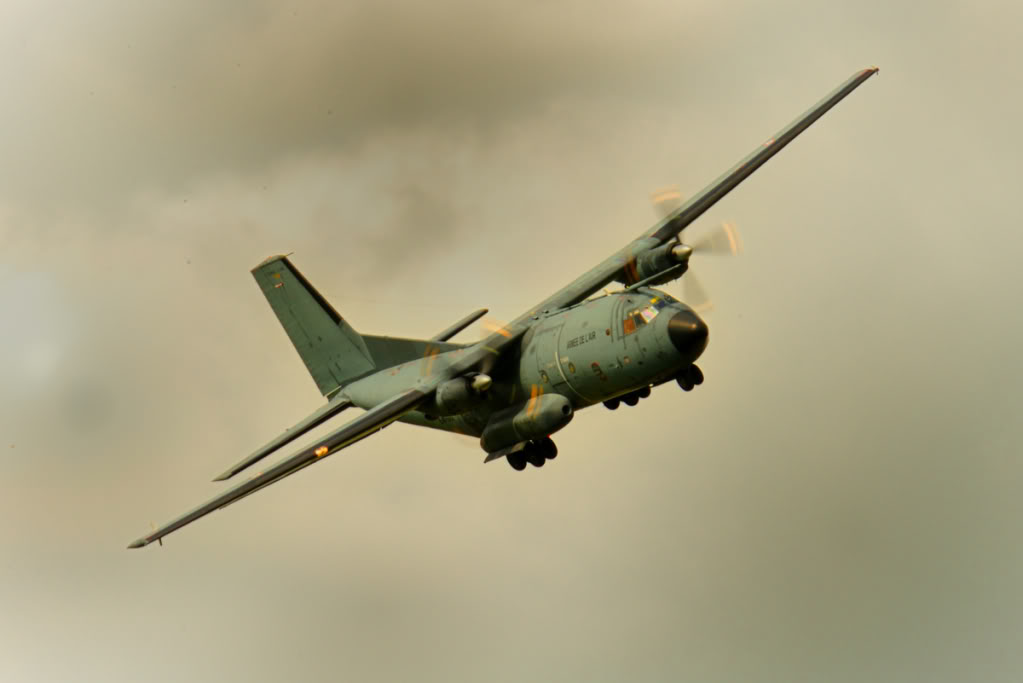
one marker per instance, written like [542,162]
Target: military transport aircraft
[526,379]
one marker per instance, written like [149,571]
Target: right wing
[359,428]
[620,262]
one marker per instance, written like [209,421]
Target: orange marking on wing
[432,356]
[491,325]
[631,273]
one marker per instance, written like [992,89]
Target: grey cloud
[118,99]
[839,501]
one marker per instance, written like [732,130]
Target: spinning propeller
[721,240]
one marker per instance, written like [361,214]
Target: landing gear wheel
[631,399]
[696,375]
[684,382]
[547,448]
[644,392]
[517,460]
[534,455]
[612,404]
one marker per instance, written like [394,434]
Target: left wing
[359,428]
[665,231]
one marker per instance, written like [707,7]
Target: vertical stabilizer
[332,351]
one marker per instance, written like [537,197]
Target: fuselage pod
[540,416]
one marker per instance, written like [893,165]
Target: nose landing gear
[689,378]
[535,453]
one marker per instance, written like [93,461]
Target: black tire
[644,392]
[631,400]
[685,383]
[548,448]
[517,461]
[535,456]
[696,375]
[612,404]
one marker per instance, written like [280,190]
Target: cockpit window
[636,318]
[665,297]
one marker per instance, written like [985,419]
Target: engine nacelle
[660,260]
[534,419]
[460,395]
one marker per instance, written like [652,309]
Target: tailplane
[332,351]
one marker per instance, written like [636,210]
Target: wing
[359,428]
[614,267]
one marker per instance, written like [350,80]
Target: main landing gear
[536,453]
[687,379]
[629,399]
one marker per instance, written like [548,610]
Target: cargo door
[548,364]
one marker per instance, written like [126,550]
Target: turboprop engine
[671,259]
[540,416]
[461,394]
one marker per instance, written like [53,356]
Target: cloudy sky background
[839,501]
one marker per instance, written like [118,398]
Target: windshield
[638,317]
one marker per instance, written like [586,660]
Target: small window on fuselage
[634,320]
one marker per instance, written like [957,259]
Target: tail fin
[332,351]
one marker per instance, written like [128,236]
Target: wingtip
[224,476]
[141,543]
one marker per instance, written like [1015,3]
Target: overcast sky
[839,501]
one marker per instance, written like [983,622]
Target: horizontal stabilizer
[390,351]
[450,332]
[314,420]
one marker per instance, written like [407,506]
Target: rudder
[331,349]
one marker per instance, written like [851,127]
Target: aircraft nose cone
[688,334]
